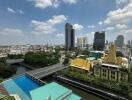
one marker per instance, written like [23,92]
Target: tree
[41,59]
[6,70]
[12,56]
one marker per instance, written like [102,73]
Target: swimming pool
[12,88]
[26,84]
[21,86]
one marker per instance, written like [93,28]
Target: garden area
[123,88]
[13,56]
[6,70]
[41,59]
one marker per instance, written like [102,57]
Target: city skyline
[42,21]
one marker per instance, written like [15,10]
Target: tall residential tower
[69,37]
[99,41]
[119,41]
[82,42]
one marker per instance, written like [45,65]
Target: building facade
[99,41]
[119,41]
[69,37]
[82,42]
[111,72]
[112,68]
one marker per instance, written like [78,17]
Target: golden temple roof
[80,63]
[111,58]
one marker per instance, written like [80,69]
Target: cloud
[120,16]
[121,26]
[119,21]
[15,11]
[127,31]
[10,10]
[57,19]
[20,11]
[100,22]
[91,26]
[121,2]
[11,31]
[70,1]
[48,26]
[118,29]
[60,35]
[45,3]
[109,28]
[78,27]
[42,4]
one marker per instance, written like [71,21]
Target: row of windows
[123,77]
[112,73]
[104,72]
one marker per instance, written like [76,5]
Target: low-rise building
[110,72]
[3,55]
[82,64]
[53,91]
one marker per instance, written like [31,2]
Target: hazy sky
[42,21]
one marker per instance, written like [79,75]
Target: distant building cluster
[82,42]
[23,49]
[105,65]
[107,60]
[99,43]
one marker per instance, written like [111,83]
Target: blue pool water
[12,88]
[26,84]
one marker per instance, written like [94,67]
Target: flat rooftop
[53,91]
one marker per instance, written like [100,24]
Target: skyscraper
[129,43]
[119,41]
[69,37]
[82,42]
[99,41]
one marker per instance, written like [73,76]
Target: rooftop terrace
[53,91]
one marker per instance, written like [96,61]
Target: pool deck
[28,89]
[3,90]
[12,88]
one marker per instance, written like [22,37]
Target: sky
[43,21]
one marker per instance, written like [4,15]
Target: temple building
[112,67]
[82,64]
[87,63]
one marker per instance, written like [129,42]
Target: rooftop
[110,65]
[53,91]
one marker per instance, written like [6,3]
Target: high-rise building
[82,42]
[69,37]
[99,41]
[129,43]
[119,41]
[107,42]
